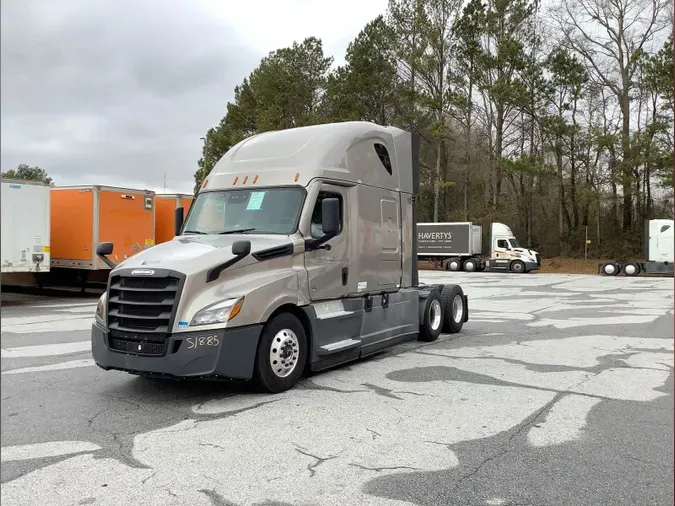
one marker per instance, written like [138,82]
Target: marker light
[297,176]
[236,178]
[245,179]
[255,179]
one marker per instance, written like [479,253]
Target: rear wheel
[470,265]
[432,321]
[454,264]
[631,269]
[452,297]
[610,269]
[282,353]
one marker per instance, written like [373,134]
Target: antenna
[164,183]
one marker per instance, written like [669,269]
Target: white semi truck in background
[459,246]
[25,231]
[658,252]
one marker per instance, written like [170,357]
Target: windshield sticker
[255,201]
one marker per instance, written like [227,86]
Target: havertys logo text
[434,235]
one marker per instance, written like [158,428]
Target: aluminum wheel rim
[630,270]
[454,266]
[435,314]
[469,266]
[284,353]
[457,308]
[609,269]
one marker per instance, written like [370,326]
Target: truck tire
[631,269]
[610,269]
[470,265]
[454,264]
[282,353]
[454,311]
[518,267]
[432,320]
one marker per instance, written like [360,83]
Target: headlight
[219,312]
[100,309]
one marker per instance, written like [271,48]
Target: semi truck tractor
[298,253]
[459,247]
[658,253]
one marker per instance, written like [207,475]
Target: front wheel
[282,353]
[518,267]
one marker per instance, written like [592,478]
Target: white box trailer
[25,229]
[658,250]
[458,247]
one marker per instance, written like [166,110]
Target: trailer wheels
[282,353]
[470,266]
[631,269]
[518,267]
[454,310]
[454,264]
[432,320]
[610,269]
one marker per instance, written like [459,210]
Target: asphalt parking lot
[559,391]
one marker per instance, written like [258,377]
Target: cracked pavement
[558,391]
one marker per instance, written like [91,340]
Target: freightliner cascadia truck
[297,253]
[458,247]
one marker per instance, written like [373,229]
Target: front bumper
[532,266]
[187,355]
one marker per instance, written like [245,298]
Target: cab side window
[501,243]
[316,229]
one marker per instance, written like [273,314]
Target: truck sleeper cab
[297,253]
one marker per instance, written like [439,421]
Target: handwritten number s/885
[199,342]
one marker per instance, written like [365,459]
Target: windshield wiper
[194,232]
[236,231]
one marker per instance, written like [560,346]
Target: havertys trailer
[658,249]
[298,252]
[458,247]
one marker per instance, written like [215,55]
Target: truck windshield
[265,211]
[514,242]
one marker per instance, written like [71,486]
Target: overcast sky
[118,92]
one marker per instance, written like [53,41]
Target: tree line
[556,121]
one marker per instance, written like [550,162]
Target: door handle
[345,275]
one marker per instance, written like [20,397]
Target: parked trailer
[658,252]
[298,251]
[84,216]
[166,206]
[459,246]
[25,231]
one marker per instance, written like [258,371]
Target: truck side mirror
[103,250]
[178,220]
[241,248]
[330,216]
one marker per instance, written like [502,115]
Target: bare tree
[611,35]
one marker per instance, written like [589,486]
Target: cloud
[120,91]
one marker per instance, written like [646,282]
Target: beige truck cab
[298,253]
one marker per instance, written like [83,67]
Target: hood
[191,254]
[525,251]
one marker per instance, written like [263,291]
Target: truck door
[328,269]
[501,249]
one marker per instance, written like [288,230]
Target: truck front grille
[142,307]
